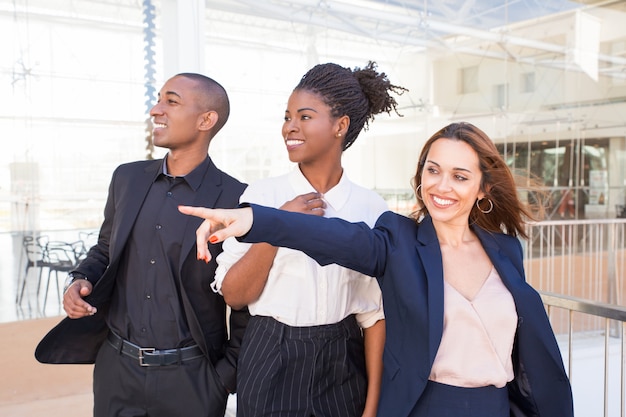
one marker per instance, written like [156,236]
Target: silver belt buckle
[143,351]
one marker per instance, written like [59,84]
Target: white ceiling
[471,27]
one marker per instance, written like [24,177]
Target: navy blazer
[406,259]
[78,340]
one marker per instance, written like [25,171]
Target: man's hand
[218,225]
[73,302]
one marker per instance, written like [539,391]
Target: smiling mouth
[159,125]
[442,201]
[293,142]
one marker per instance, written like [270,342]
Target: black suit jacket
[78,340]
[406,259]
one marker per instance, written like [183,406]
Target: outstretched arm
[327,240]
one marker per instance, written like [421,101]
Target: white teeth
[161,125]
[442,202]
[293,142]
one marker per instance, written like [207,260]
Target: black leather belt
[151,356]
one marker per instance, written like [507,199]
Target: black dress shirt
[146,308]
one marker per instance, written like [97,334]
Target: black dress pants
[123,388]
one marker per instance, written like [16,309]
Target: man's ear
[208,120]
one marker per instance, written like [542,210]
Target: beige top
[477,341]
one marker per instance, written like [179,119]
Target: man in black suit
[140,305]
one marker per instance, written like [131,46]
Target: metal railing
[576,348]
[579,267]
[578,258]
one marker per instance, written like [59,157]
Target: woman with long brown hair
[466,335]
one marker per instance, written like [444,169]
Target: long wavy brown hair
[509,213]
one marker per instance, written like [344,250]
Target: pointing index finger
[201,212]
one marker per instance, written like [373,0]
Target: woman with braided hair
[313,346]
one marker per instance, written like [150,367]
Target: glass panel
[545,80]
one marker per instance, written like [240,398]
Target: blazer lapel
[132,205]
[509,274]
[430,255]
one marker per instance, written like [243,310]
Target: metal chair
[35,250]
[88,240]
[60,257]
[56,256]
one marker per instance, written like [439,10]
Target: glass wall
[546,80]
[575,173]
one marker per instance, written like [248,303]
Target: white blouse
[478,334]
[299,291]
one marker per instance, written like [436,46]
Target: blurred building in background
[546,80]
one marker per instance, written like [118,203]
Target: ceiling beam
[403,24]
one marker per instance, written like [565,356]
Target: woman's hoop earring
[417,192]
[485,211]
